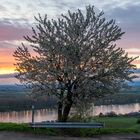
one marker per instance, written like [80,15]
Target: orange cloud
[7,67]
[6,62]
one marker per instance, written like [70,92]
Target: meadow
[113,125]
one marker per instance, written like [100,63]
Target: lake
[51,114]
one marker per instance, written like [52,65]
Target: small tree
[76,59]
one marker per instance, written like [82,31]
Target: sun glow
[8,70]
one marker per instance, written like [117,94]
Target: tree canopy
[76,59]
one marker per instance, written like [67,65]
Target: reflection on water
[26,116]
[51,114]
[118,109]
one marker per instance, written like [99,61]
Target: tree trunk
[59,111]
[68,103]
[66,112]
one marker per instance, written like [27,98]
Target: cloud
[108,5]
[15,21]
[11,32]
[133,51]
[3,8]
[8,79]
[137,71]
[128,16]
[7,75]
[17,18]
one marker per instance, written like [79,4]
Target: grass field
[119,122]
[113,125]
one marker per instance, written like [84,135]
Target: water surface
[51,114]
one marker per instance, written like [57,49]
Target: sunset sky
[17,18]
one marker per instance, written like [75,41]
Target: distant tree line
[24,103]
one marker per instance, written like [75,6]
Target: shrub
[138,121]
[111,114]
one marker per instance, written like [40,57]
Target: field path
[24,136]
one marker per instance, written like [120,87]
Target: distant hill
[135,84]
[19,89]
[13,89]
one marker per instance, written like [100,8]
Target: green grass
[118,122]
[14,127]
[26,128]
[113,125]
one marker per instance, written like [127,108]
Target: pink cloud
[10,32]
[134,53]
[131,39]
